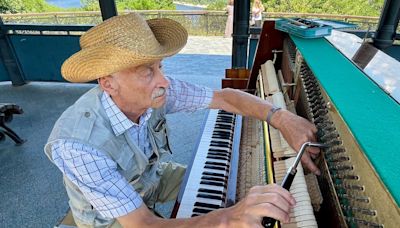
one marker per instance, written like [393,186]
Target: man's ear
[108,84]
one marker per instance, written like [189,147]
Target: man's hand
[297,130]
[262,201]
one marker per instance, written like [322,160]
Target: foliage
[22,6]
[145,5]
[342,7]
[199,2]
[91,5]
[217,5]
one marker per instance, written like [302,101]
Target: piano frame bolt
[329,105]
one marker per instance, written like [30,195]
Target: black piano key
[223,126]
[212,183]
[226,158]
[223,150]
[195,214]
[201,210]
[223,142]
[220,137]
[226,119]
[220,144]
[214,179]
[211,152]
[211,191]
[206,196]
[226,135]
[217,164]
[213,174]
[215,167]
[226,114]
[219,153]
[207,205]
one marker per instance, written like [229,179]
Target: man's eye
[150,72]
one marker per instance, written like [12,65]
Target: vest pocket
[125,158]
[159,132]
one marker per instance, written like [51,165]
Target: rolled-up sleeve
[186,97]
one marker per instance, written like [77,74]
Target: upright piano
[351,92]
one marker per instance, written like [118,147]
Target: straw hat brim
[98,61]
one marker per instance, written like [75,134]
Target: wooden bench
[7,111]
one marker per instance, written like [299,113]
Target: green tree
[342,7]
[217,5]
[145,5]
[15,6]
[91,5]
[23,6]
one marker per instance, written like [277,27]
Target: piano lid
[377,65]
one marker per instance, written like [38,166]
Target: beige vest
[86,122]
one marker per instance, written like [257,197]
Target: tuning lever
[289,177]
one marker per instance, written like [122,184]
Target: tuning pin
[364,211]
[330,136]
[361,199]
[363,222]
[337,150]
[353,187]
[345,176]
[342,167]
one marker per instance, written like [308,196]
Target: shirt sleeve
[186,97]
[97,177]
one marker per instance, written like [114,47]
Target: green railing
[211,23]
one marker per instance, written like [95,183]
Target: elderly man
[108,144]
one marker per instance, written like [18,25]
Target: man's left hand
[297,130]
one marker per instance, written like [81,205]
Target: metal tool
[291,173]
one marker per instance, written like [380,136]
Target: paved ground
[31,191]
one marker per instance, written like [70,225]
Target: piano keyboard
[206,185]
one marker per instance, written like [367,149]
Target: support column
[389,19]
[108,9]
[241,15]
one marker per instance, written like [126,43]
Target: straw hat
[122,42]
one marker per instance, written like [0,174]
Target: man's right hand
[261,201]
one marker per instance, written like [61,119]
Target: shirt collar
[119,121]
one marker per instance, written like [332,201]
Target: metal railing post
[207,24]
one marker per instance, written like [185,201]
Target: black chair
[6,115]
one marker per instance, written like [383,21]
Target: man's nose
[163,81]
